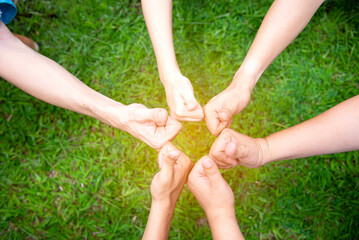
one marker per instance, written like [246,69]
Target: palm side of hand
[175,167]
[212,192]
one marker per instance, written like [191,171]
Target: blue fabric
[7,11]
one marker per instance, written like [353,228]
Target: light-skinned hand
[166,187]
[181,101]
[219,110]
[210,189]
[232,148]
[216,198]
[152,126]
[175,167]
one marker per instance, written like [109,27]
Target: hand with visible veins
[166,187]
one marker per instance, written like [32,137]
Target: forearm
[336,130]
[224,226]
[48,81]
[281,25]
[158,17]
[159,221]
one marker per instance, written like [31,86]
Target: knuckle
[180,113]
[158,145]
[176,114]
[190,180]
[188,164]
[227,132]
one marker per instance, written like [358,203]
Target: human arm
[216,198]
[282,23]
[336,130]
[166,186]
[179,91]
[46,80]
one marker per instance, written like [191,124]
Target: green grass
[67,176]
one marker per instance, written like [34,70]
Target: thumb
[225,115]
[191,102]
[168,163]
[159,116]
[211,170]
[231,149]
[236,150]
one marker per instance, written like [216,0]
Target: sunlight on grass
[63,175]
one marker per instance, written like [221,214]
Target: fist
[232,148]
[219,110]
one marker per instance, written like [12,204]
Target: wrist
[221,216]
[159,221]
[109,112]
[163,208]
[166,62]
[163,203]
[225,227]
[264,151]
[247,77]
[217,214]
[170,76]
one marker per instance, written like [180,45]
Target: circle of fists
[203,179]
[155,127]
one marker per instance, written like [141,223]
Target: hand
[152,126]
[166,186]
[181,101]
[210,189]
[232,148]
[216,198]
[175,167]
[219,110]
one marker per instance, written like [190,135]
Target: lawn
[67,176]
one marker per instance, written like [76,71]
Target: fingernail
[174,154]
[207,163]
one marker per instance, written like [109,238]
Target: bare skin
[179,91]
[336,130]
[282,23]
[216,198]
[46,80]
[166,187]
